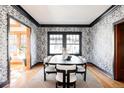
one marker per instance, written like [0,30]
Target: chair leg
[44,75]
[56,85]
[64,85]
[68,85]
[84,76]
[75,85]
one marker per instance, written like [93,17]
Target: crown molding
[64,25]
[109,10]
[23,12]
[26,14]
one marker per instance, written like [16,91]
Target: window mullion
[64,40]
[71,44]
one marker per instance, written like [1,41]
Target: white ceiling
[65,14]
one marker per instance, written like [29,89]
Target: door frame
[8,30]
[116,62]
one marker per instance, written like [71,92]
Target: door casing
[117,63]
[29,45]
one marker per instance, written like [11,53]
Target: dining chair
[71,78]
[47,67]
[82,69]
[66,75]
[60,78]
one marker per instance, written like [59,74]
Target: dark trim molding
[101,69]
[36,64]
[8,65]
[64,41]
[8,59]
[4,84]
[9,16]
[26,14]
[109,10]
[65,25]
[118,22]
[8,29]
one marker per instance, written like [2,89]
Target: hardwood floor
[25,75]
[104,79]
[100,76]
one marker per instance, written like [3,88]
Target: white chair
[46,59]
[47,67]
[81,69]
[66,75]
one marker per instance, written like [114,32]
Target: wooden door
[119,52]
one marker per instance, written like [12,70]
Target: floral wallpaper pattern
[42,39]
[4,10]
[97,41]
[102,39]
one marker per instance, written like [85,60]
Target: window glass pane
[72,49]
[56,43]
[72,45]
[55,39]
[72,39]
[55,49]
[23,44]
[12,43]
[23,39]
[12,48]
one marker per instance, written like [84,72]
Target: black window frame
[64,43]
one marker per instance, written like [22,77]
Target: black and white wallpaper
[42,39]
[4,10]
[102,39]
[97,41]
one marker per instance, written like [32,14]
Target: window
[23,43]
[71,41]
[56,44]
[13,43]
[72,45]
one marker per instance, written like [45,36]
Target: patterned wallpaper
[102,38]
[97,41]
[42,39]
[4,10]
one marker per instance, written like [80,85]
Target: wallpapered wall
[42,39]
[4,10]
[102,38]
[97,41]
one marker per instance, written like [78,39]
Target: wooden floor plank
[104,79]
[99,75]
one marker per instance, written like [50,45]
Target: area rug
[38,81]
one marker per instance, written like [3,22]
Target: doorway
[119,51]
[18,49]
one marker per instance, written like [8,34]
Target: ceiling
[65,14]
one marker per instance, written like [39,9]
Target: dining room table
[58,59]
[55,60]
